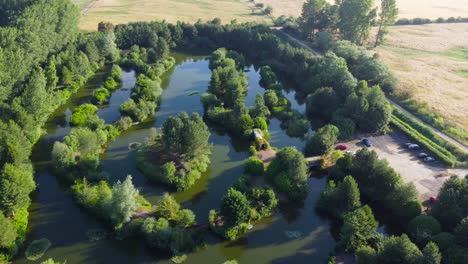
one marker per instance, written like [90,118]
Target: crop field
[123,11]
[432,64]
[81,3]
[408,8]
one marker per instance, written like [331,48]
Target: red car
[341,147]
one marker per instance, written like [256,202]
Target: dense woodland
[53,60]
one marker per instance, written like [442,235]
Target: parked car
[413,146]
[367,143]
[352,152]
[422,155]
[341,147]
[429,159]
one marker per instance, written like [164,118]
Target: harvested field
[432,64]
[408,8]
[124,11]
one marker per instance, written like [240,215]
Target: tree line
[43,60]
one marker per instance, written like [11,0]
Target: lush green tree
[461,232]
[260,109]
[323,102]
[359,227]
[422,228]
[452,206]
[322,141]
[235,208]
[123,202]
[7,232]
[34,98]
[398,250]
[168,207]
[387,16]
[186,136]
[315,16]
[16,183]
[267,77]
[271,99]
[82,113]
[62,156]
[264,201]
[101,95]
[254,167]
[288,171]
[340,199]
[431,254]
[444,240]
[356,18]
[51,75]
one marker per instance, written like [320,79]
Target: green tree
[168,207]
[187,137]
[461,232]
[7,232]
[235,208]
[356,17]
[359,226]
[288,171]
[322,102]
[343,198]
[51,75]
[62,156]
[431,254]
[452,205]
[322,141]
[399,250]
[314,17]
[34,98]
[260,109]
[16,183]
[387,16]
[123,202]
[422,228]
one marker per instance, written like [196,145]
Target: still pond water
[55,216]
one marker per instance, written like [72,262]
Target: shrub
[254,167]
[82,113]
[422,228]
[101,95]
[322,141]
[110,84]
[37,249]
[444,240]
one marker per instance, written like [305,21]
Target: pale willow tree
[123,202]
[355,19]
[388,14]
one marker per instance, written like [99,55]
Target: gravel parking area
[427,177]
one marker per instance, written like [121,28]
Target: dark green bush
[254,167]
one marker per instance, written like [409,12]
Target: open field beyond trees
[408,8]
[432,64]
[124,11]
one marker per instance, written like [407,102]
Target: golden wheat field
[408,8]
[123,11]
[432,64]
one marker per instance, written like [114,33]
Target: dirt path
[266,155]
[88,7]
[438,132]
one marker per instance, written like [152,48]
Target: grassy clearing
[408,8]
[432,63]
[124,11]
